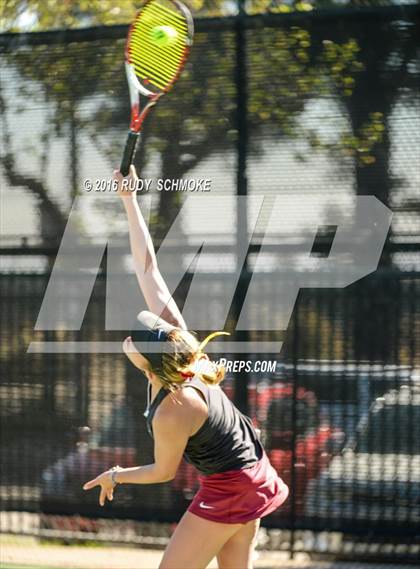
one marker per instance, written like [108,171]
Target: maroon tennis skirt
[238,496]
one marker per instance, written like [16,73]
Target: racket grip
[129,150]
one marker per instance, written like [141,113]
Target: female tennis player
[189,415]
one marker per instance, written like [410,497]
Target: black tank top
[227,439]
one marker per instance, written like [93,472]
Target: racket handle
[129,150]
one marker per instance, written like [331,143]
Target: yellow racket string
[157,64]
[176,47]
[151,78]
[172,17]
[151,20]
[169,11]
[161,58]
[161,72]
[159,68]
[152,63]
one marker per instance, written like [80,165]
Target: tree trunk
[170,201]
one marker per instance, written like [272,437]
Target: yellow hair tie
[210,337]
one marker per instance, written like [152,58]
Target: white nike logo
[203,505]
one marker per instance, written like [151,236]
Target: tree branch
[15,178]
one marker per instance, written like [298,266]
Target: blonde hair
[182,361]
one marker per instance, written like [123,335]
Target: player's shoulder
[176,403]
[170,414]
[191,393]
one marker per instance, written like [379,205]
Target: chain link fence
[321,107]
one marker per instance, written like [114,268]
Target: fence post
[295,377]
[241,81]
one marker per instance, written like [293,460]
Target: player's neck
[156,385]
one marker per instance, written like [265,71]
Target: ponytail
[209,371]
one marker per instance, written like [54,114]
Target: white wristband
[114,471]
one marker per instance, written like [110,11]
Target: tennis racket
[158,45]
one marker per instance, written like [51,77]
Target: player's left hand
[130,189]
[107,486]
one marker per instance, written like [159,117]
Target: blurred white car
[375,481]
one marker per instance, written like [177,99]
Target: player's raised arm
[152,284]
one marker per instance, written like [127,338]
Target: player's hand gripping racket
[158,44]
